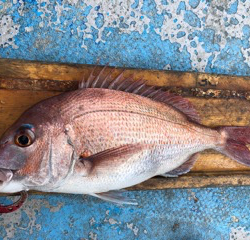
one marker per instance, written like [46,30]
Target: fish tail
[234,144]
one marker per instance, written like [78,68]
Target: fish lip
[6,175]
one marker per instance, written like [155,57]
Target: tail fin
[236,139]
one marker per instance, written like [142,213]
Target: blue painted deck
[191,35]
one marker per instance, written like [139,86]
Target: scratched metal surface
[207,36]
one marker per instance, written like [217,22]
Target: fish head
[27,152]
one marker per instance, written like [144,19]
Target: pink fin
[179,103]
[110,157]
[235,144]
[139,87]
[184,168]
[115,196]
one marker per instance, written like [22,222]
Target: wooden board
[219,99]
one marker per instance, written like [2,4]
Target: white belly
[12,187]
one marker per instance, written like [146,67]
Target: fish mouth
[5,175]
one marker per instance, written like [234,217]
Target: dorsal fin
[139,87]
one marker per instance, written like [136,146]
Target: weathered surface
[209,36]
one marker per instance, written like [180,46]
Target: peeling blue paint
[75,21]
[233,8]
[194,3]
[194,214]
[234,21]
[246,31]
[181,34]
[135,4]
[99,21]
[192,19]
[182,6]
[207,37]
[193,44]
[231,50]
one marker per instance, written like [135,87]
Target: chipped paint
[133,228]
[112,221]
[239,234]
[13,220]
[193,196]
[92,236]
[29,29]
[8,30]
[207,35]
[28,215]
[234,219]
[189,35]
[92,221]
[172,213]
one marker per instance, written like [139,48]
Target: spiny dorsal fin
[139,87]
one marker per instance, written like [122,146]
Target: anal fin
[169,174]
[115,196]
[184,168]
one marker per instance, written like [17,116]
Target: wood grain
[196,180]
[15,70]
[23,83]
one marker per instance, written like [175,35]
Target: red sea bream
[108,135]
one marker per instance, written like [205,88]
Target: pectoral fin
[107,159]
[115,197]
[184,168]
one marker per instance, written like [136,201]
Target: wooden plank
[14,102]
[18,69]
[31,70]
[196,181]
[220,100]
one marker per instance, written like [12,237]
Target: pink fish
[108,135]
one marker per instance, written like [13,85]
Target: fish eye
[24,138]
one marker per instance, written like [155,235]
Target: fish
[109,134]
